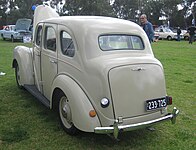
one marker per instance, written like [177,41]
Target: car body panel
[78,101]
[135,83]
[23,24]
[23,56]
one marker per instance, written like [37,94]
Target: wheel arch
[169,37]
[79,102]
[14,62]
[12,38]
[54,103]
[23,57]
[186,37]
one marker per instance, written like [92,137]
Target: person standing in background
[178,33]
[192,32]
[147,26]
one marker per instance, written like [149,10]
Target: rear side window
[67,45]
[50,39]
[120,42]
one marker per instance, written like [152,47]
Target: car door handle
[53,61]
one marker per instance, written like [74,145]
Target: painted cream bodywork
[79,103]
[23,56]
[43,12]
[92,74]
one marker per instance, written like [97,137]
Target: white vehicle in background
[6,29]
[166,33]
[19,31]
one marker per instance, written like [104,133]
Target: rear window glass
[120,42]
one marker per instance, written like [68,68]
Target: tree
[3,9]
[187,11]
[87,7]
[17,9]
[154,10]
[126,9]
[11,10]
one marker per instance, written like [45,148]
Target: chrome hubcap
[65,112]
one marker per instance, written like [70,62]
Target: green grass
[27,124]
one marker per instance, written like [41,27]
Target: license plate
[156,103]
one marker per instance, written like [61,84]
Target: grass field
[27,124]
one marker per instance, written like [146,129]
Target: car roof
[91,27]
[99,23]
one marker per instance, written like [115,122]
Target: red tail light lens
[169,100]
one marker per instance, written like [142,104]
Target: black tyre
[65,115]
[17,75]
[186,38]
[169,38]
[2,37]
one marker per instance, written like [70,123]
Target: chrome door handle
[53,61]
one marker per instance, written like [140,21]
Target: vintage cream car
[98,72]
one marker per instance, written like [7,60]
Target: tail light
[169,100]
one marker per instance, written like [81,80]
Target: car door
[162,33]
[49,58]
[6,33]
[37,49]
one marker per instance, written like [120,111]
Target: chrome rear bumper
[116,128]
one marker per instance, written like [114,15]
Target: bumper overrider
[116,128]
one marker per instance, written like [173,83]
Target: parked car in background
[175,30]
[7,28]
[98,73]
[186,36]
[19,31]
[2,30]
[156,37]
[166,33]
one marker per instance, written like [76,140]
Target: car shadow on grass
[129,139]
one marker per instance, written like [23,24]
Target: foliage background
[127,9]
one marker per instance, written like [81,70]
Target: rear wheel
[65,115]
[186,38]
[2,37]
[17,75]
[169,38]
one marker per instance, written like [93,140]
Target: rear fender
[23,57]
[79,103]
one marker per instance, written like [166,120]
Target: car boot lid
[23,24]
